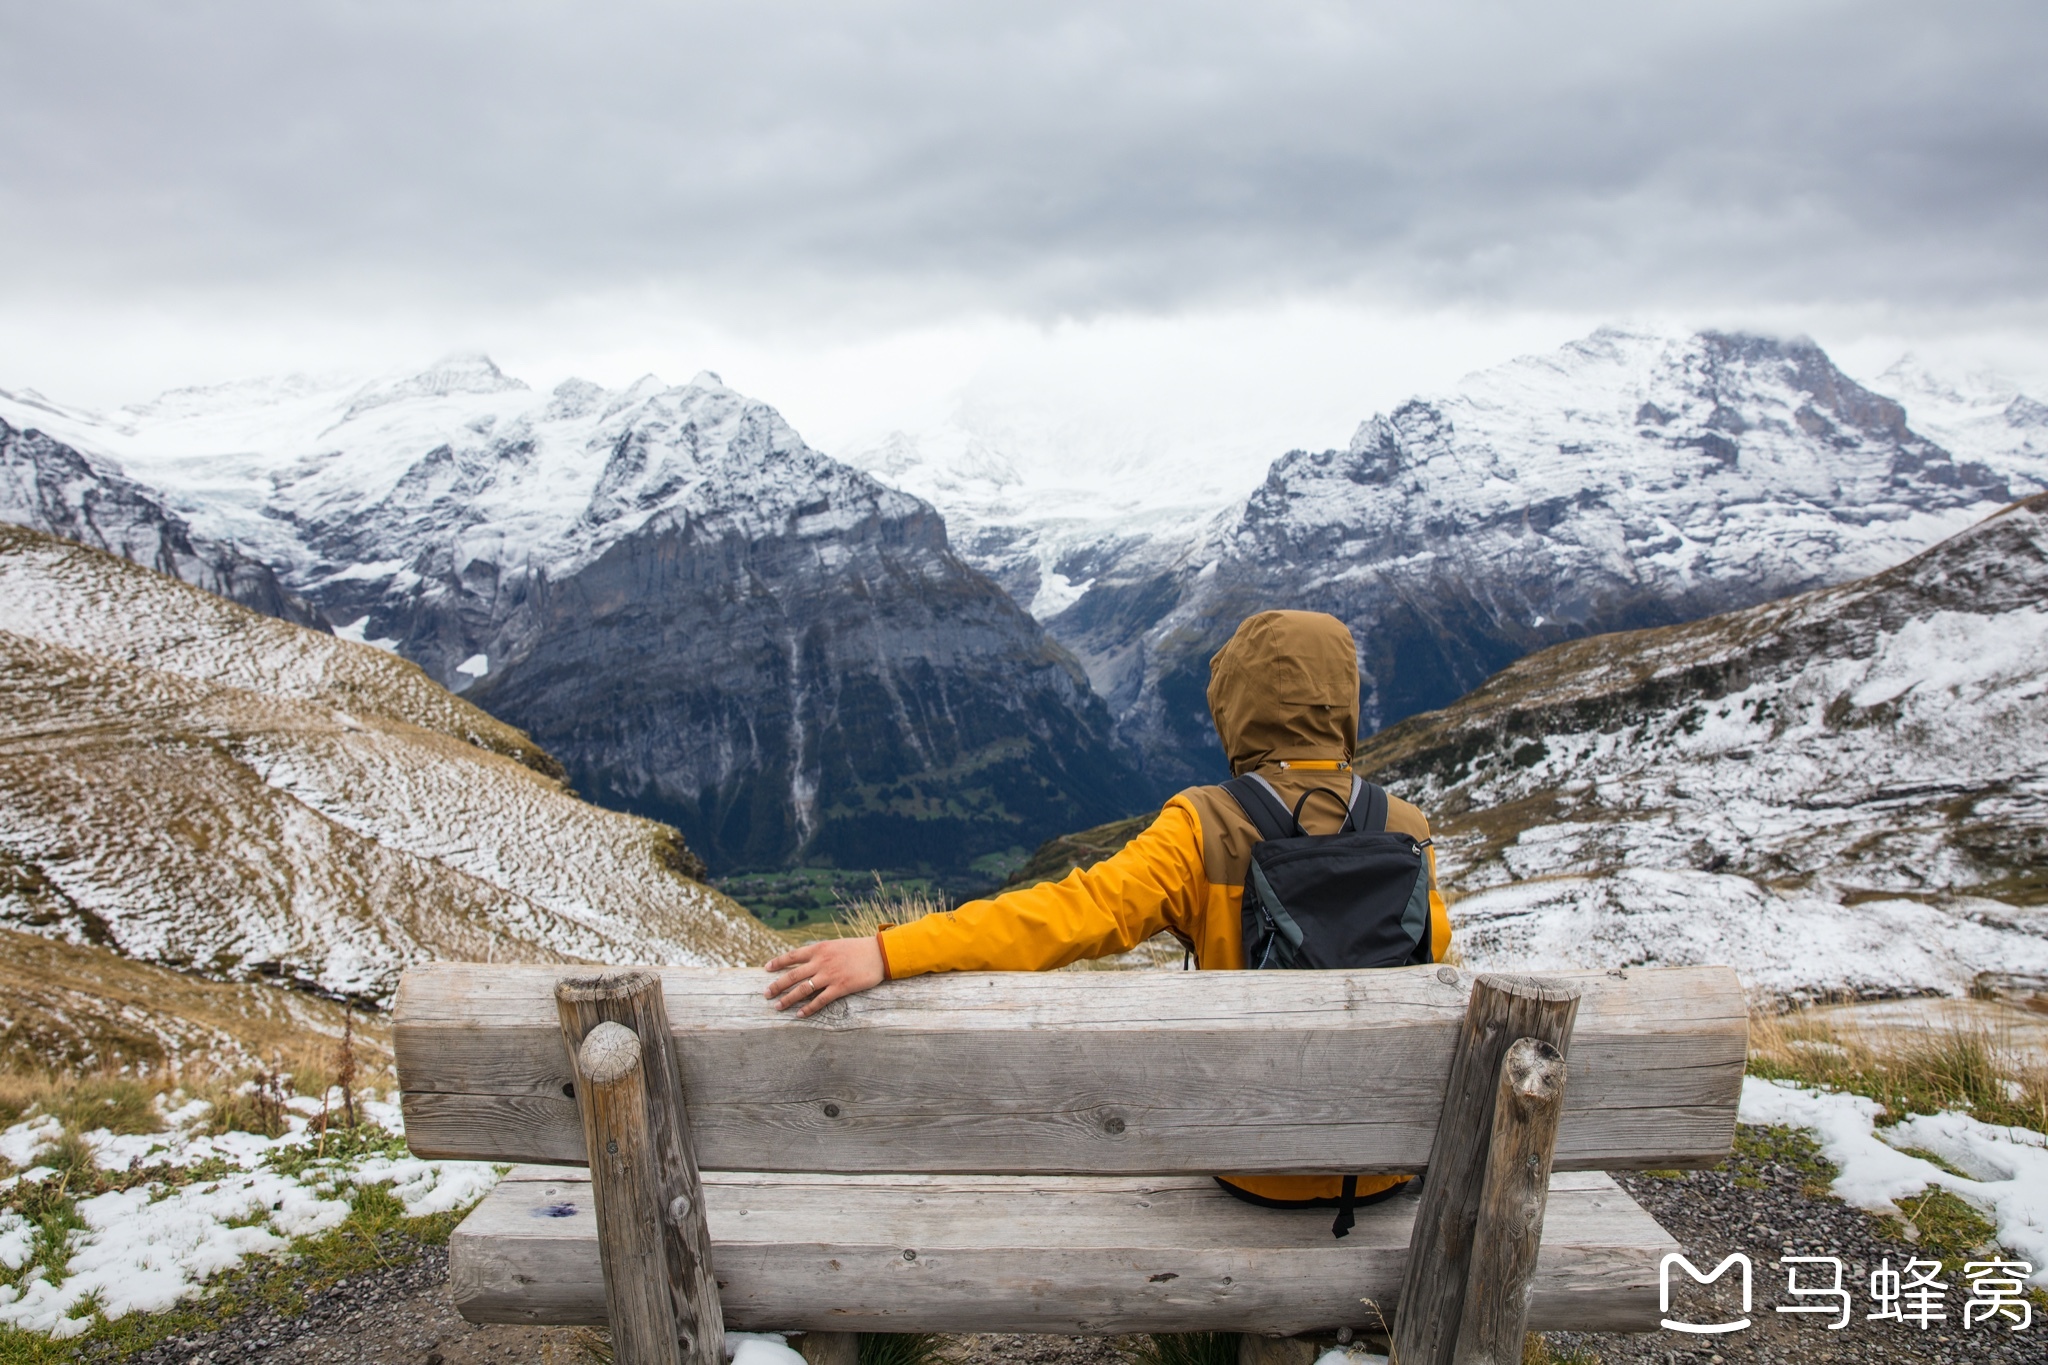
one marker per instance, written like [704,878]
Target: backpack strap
[1262,806]
[1271,817]
[1373,820]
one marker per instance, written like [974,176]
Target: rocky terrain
[706,620]
[1840,793]
[1628,479]
[194,785]
[716,625]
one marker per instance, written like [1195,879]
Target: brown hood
[1285,686]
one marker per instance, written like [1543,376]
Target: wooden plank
[1086,1073]
[1502,1011]
[1072,1255]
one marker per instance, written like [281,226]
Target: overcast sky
[827,197]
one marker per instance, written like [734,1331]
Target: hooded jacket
[1284,695]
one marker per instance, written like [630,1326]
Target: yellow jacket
[1284,694]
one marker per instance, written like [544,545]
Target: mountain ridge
[811,674]
[1627,480]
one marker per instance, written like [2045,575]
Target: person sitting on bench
[1283,693]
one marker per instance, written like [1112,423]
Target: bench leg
[665,1201]
[612,1088]
[1500,1011]
[829,1348]
[1511,1203]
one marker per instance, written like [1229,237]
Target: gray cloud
[1045,158]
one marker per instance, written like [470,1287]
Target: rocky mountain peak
[1629,478]
[464,372]
[709,620]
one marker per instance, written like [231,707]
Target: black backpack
[1356,898]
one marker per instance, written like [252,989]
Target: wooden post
[1501,1010]
[675,1207]
[1510,1229]
[829,1348]
[612,1086]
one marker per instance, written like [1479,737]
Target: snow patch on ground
[759,1348]
[1784,944]
[146,1248]
[2009,1183]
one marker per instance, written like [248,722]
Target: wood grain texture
[1074,1255]
[612,1087]
[1509,1232]
[1501,1010]
[1081,1073]
[629,1005]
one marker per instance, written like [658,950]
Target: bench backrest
[1075,1072]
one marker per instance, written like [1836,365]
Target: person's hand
[816,974]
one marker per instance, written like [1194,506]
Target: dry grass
[147,1031]
[74,1010]
[1969,1068]
[865,915]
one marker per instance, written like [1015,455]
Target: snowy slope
[1980,417]
[1843,792]
[1045,508]
[708,621]
[1626,480]
[53,487]
[202,787]
[382,499]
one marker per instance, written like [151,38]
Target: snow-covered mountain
[1627,480]
[1845,791]
[708,621]
[199,786]
[53,487]
[1980,417]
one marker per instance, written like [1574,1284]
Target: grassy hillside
[193,785]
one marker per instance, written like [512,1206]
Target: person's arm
[1153,882]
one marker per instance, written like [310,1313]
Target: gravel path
[400,1315]
[1764,1202]
[1762,1206]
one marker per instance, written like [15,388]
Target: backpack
[1356,898]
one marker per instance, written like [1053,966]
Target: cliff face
[1626,481]
[705,619]
[839,688]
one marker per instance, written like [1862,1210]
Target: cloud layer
[918,159]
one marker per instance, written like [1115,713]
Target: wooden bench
[1031,1153]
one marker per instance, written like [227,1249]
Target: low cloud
[918,159]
